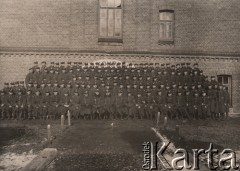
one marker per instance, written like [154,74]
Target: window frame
[166,40]
[230,84]
[110,39]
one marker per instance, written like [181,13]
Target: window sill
[166,42]
[110,41]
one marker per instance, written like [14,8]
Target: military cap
[172,66]
[183,64]
[179,92]
[69,63]
[38,68]
[168,64]
[195,64]
[44,62]
[162,64]
[188,63]
[62,63]
[52,63]
[118,63]
[12,83]
[196,93]
[36,63]
[57,63]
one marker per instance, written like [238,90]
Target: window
[110,20]
[226,80]
[166,26]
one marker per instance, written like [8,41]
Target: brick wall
[205,26]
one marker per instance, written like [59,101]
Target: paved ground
[98,146]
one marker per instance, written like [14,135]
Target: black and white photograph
[119,85]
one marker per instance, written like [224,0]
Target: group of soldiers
[115,90]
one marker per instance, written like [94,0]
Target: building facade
[158,31]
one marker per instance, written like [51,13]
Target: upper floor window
[110,19]
[166,26]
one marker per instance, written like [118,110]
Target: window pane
[166,16]
[103,27]
[103,13]
[118,3]
[110,3]
[103,3]
[161,30]
[220,80]
[110,22]
[169,30]
[103,22]
[117,32]
[118,22]
[225,80]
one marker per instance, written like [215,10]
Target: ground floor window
[226,80]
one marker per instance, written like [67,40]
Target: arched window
[110,19]
[166,26]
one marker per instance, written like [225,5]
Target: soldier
[221,102]
[86,106]
[43,66]
[51,67]
[75,105]
[109,108]
[188,105]
[180,105]
[11,102]
[30,76]
[196,69]
[3,103]
[37,75]
[140,105]
[54,108]
[29,104]
[170,108]
[131,106]
[226,100]
[65,103]
[45,105]
[212,101]
[196,108]
[20,105]
[160,103]
[35,66]
[149,106]
[204,105]
[37,98]
[213,81]
[120,105]
[98,105]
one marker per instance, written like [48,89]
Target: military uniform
[75,104]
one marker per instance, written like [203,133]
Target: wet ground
[10,134]
[98,146]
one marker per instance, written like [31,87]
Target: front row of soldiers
[175,102]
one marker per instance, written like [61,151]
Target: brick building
[175,31]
